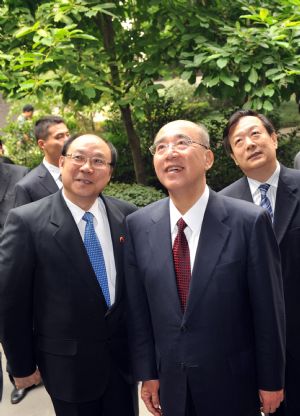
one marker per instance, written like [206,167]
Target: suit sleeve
[17,259]
[267,301]
[22,196]
[141,340]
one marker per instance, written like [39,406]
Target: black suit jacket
[230,341]
[36,185]
[9,176]
[52,310]
[287,230]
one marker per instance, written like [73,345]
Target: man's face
[28,114]
[253,148]
[83,184]
[182,171]
[53,144]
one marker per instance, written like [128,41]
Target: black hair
[42,126]
[28,108]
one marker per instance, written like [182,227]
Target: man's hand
[270,400]
[149,394]
[24,382]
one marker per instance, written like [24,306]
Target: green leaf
[272,71]
[186,75]
[213,81]
[247,87]
[224,78]
[222,62]
[263,13]
[267,105]
[253,77]
[26,30]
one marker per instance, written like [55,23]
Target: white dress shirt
[102,229]
[193,219]
[272,191]
[54,172]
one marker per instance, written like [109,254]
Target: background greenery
[140,64]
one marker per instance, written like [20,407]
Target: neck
[184,200]
[262,174]
[52,162]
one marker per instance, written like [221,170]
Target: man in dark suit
[206,322]
[63,324]
[9,176]
[51,134]
[251,141]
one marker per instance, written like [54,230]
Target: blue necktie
[94,250]
[265,202]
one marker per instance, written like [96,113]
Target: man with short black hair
[51,133]
[251,141]
[70,317]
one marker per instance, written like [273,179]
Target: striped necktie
[265,202]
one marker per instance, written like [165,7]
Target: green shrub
[136,194]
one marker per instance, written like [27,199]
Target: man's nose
[249,142]
[171,150]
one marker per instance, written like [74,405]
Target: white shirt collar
[54,170]
[194,216]
[78,212]
[272,181]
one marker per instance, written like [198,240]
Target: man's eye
[160,147]
[78,158]
[255,133]
[98,162]
[182,143]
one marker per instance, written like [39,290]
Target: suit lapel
[159,235]
[117,231]
[67,235]
[5,176]
[46,179]
[243,190]
[286,203]
[213,237]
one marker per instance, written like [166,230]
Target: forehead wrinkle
[176,136]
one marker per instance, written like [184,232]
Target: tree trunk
[135,146]
[105,24]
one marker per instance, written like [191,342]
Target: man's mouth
[254,155]
[85,181]
[174,169]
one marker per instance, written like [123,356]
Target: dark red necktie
[182,263]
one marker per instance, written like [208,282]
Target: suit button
[183,328]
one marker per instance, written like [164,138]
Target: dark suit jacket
[9,175]
[53,289]
[36,185]
[230,341]
[287,230]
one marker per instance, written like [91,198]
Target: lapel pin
[122,239]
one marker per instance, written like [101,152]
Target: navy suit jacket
[287,230]
[9,176]
[230,341]
[36,185]
[60,321]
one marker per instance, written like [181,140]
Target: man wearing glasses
[206,310]
[66,290]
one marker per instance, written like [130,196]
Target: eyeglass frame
[190,141]
[85,159]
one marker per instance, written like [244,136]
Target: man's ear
[234,159]
[209,159]
[274,139]
[41,143]
[61,161]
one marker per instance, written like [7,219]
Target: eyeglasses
[180,145]
[80,160]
